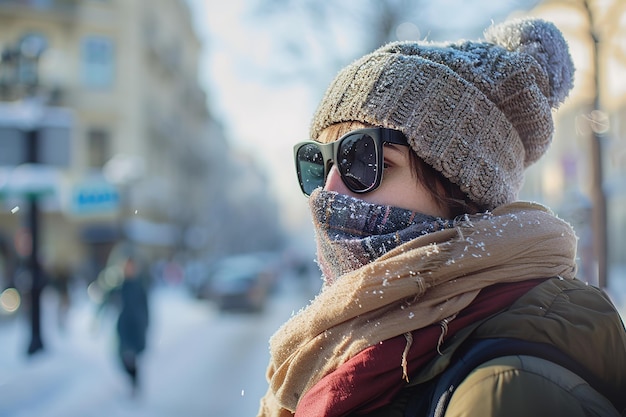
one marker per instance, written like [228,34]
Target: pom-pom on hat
[478,112]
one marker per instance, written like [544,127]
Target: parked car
[241,282]
[197,276]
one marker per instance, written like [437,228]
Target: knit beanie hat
[478,112]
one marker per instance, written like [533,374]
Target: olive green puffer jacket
[577,319]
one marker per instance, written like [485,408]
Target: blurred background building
[583,177]
[131,150]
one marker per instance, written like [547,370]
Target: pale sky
[265,120]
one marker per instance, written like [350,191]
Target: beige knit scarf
[421,282]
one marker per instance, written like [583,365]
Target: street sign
[94,197]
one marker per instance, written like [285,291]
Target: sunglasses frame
[329,151]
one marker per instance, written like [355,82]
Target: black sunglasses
[358,156]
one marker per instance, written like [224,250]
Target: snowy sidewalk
[77,370]
[198,362]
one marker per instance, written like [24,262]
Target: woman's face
[399,187]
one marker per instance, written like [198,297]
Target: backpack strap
[436,396]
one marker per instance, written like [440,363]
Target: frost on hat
[479,112]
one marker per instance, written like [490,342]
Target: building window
[98,147]
[31,48]
[98,61]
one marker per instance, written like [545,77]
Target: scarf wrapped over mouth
[351,233]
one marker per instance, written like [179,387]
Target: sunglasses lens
[310,165]
[358,162]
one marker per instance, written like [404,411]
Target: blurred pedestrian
[441,289]
[131,296]
[133,321]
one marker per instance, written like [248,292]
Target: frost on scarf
[352,233]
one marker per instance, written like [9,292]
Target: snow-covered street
[198,362]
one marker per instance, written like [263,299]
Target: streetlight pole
[37,279]
[599,211]
[22,62]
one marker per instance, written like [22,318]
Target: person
[134,316]
[443,292]
[132,323]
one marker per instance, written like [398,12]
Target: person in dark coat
[124,284]
[133,320]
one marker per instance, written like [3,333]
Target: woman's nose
[334,182]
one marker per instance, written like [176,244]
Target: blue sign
[95,198]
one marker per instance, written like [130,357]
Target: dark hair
[446,194]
